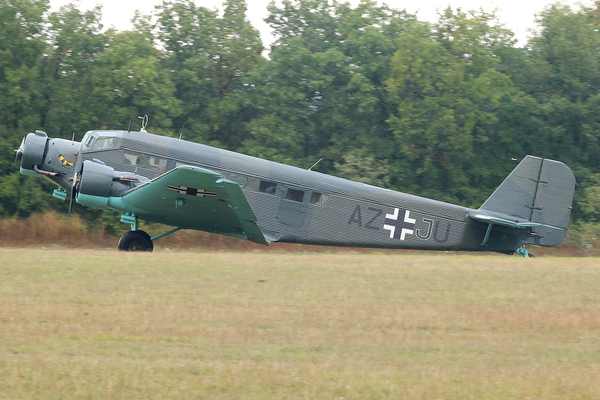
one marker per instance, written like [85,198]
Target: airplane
[189,185]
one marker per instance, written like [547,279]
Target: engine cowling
[95,184]
[34,150]
[98,183]
[96,179]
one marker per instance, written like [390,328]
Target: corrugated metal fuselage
[297,205]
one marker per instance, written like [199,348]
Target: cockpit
[97,140]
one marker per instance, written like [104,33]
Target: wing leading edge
[195,198]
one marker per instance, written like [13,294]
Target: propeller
[76,178]
[19,152]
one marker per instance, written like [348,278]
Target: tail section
[537,195]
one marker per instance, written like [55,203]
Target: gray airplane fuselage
[292,204]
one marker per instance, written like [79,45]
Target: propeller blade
[70,206]
[19,152]
[73,195]
[76,178]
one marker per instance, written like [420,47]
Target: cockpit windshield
[89,140]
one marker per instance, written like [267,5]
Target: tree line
[443,110]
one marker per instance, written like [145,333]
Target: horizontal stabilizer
[503,220]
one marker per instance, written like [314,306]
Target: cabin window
[267,187]
[318,198]
[145,161]
[295,195]
[252,184]
[237,178]
[157,164]
[130,159]
[142,161]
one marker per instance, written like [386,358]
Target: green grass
[77,324]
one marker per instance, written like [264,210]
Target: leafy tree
[207,58]
[129,80]
[447,94]
[563,76]
[322,93]
[76,42]
[363,168]
[22,47]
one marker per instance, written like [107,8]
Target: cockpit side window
[103,143]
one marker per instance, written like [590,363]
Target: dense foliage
[437,109]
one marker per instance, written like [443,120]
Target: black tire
[136,241]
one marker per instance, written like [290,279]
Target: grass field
[100,324]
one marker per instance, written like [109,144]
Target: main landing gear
[138,240]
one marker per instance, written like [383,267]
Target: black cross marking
[191,191]
[399,224]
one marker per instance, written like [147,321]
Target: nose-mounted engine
[92,183]
[51,158]
[32,152]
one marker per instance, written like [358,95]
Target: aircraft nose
[32,150]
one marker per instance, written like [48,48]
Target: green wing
[195,198]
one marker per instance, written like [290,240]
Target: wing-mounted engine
[98,182]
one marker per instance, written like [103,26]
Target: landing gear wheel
[136,241]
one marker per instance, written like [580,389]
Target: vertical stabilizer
[538,193]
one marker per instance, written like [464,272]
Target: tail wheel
[136,241]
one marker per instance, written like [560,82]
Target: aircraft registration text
[400,224]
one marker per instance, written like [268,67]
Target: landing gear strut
[134,240]
[137,240]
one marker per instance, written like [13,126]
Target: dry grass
[182,325]
[53,229]
[43,226]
